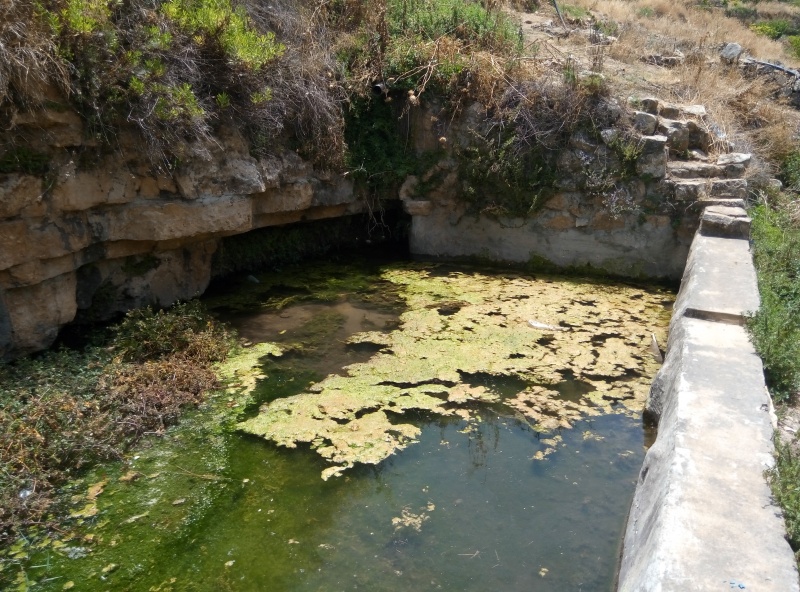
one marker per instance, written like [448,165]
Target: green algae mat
[461,327]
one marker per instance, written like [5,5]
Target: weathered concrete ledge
[702,517]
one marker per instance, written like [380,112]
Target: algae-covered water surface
[386,427]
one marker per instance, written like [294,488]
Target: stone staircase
[717,188]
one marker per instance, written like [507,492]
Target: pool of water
[468,506]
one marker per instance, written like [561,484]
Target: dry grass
[658,25]
[747,108]
[28,57]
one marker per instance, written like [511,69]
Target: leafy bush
[185,329]
[503,181]
[378,154]
[774,29]
[468,21]
[784,478]
[794,44]
[790,171]
[741,12]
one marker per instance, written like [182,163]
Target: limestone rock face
[82,190]
[228,176]
[120,232]
[36,313]
[102,238]
[22,194]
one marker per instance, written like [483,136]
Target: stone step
[720,201]
[731,166]
[712,187]
[692,169]
[734,163]
[684,135]
[725,222]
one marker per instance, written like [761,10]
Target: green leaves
[219,19]
[775,327]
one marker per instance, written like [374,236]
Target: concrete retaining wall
[702,517]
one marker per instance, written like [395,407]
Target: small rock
[694,110]
[609,135]
[697,154]
[731,53]
[644,122]
[734,158]
[650,105]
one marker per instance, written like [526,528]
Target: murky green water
[464,508]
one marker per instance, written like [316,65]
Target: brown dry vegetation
[67,410]
[751,109]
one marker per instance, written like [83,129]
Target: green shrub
[574,12]
[65,410]
[24,160]
[794,44]
[773,29]
[84,17]
[500,182]
[467,20]
[790,171]
[741,12]
[378,154]
[219,18]
[147,334]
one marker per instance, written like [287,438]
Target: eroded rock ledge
[110,235]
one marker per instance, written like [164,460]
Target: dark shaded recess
[408,385]
[601,338]
[448,309]
[545,340]
[334,239]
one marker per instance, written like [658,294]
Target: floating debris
[655,350]
[545,327]
[408,519]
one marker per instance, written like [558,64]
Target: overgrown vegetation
[176,68]
[66,410]
[784,478]
[775,328]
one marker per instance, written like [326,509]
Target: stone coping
[703,517]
